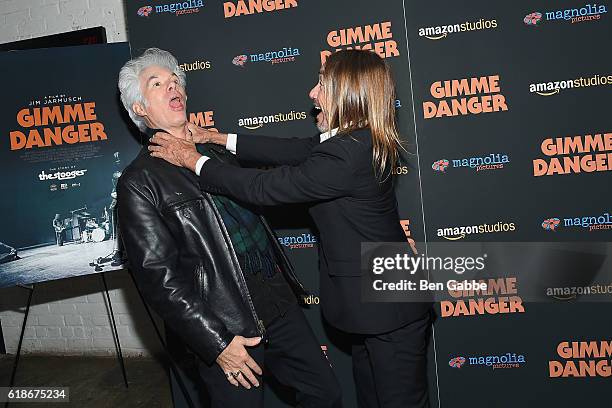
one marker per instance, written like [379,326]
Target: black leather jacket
[182,258]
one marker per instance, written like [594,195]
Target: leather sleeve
[274,150]
[171,293]
[327,173]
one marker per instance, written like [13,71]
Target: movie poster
[65,140]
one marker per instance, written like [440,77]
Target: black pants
[390,369]
[293,357]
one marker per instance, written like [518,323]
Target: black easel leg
[2,345]
[115,333]
[23,326]
[177,375]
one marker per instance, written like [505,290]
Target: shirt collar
[328,134]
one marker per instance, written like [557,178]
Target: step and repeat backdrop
[504,110]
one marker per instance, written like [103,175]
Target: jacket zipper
[258,322]
[282,254]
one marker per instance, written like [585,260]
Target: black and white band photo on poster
[64,149]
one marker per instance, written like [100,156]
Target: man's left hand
[174,150]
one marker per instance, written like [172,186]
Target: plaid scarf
[247,233]
[249,238]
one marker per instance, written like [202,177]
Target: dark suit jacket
[350,206]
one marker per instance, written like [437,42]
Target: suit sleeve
[274,150]
[325,174]
[153,260]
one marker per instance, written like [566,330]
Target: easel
[2,346]
[109,309]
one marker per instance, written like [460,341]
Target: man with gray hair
[210,267]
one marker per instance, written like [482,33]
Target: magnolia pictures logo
[507,360]
[178,8]
[589,12]
[492,161]
[457,362]
[551,224]
[305,240]
[145,11]
[284,55]
[590,223]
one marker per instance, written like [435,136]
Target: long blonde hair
[359,92]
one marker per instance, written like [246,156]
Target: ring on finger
[236,373]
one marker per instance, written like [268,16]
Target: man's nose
[171,86]
[314,92]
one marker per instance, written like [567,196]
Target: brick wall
[70,316]
[22,19]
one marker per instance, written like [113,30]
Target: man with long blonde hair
[346,173]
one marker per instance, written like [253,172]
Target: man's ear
[139,109]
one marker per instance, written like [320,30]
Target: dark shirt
[271,294]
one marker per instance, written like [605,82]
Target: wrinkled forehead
[154,72]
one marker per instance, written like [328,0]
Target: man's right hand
[202,135]
[237,364]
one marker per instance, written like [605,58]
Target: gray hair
[129,79]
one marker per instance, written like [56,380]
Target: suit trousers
[390,369]
[293,357]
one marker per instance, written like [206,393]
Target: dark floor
[94,382]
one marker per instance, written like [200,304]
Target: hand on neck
[179,131]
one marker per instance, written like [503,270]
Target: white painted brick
[32,27]
[62,308]
[29,345]
[102,332]
[79,344]
[42,308]
[41,331]
[124,320]
[9,321]
[105,343]
[95,298]
[54,332]
[101,320]
[29,333]
[124,332]
[73,7]
[67,332]
[48,11]
[51,320]
[10,6]
[83,332]
[91,309]
[87,321]
[54,344]
[120,308]
[73,320]
[77,299]
[16,17]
